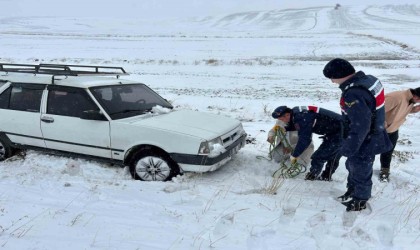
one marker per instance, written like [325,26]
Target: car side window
[25,99]
[4,98]
[69,102]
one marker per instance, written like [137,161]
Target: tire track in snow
[388,20]
[406,48]
[286,19]
[341,19]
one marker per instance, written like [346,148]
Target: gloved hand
[277,128]
[293,160]
[270,139]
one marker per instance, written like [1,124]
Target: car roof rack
[62,69]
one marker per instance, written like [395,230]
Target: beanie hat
[338,68]
[279,111]
[416,91]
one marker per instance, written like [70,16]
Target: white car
[75,110]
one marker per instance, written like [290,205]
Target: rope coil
[285,170]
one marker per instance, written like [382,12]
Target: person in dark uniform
[311,119]
[362,106]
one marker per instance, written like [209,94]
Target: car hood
[204,125]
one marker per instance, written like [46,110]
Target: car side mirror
[92,115]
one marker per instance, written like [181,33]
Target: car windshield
[122,101]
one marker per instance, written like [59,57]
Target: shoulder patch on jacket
[349,104]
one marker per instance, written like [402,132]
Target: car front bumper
[203,163]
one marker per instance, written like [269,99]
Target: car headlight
[211,147]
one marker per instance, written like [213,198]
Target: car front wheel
[5,150]
[152,165]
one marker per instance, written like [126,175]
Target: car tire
[5,150]
[153,165]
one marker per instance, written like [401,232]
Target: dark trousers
[387,156]
[360,175]
[327,152]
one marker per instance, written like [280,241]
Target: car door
[62,126]
[20,113]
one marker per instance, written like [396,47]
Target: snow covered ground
[242,62]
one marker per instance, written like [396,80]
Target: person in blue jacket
[311,119]
[362,106]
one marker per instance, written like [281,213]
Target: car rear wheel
[5,150]
[153,165]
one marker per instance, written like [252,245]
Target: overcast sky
[161,9]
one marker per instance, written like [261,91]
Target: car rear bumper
[203,163]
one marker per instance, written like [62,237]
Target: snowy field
[241,63]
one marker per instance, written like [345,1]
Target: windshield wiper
[143,111]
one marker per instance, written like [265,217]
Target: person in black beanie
[398,105]
[362,107]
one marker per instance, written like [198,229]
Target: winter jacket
[397,107]
[362,106]
[311,119]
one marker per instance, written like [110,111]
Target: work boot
[346,197]
[355,205]
[325,176]
[310,176]
[384,175]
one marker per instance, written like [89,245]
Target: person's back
[321,120]
[398,105]
[362,103]
[312,119]
[363,115]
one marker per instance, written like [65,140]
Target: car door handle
[47,119]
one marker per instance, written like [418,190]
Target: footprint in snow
[260,238]
[360,236]
[385,235]
[288,212]
[317,220]
[224,224]
[350,217]
[317,228]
